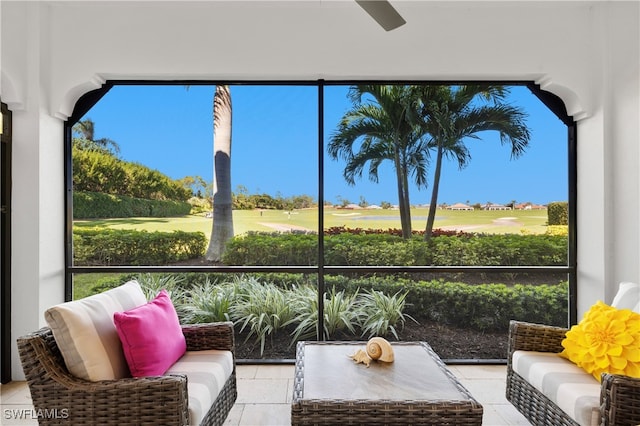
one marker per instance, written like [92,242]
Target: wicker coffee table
[417,388]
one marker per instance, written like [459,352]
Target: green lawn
[516,221]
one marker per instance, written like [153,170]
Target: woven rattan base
[619,395]
[62,399]
[536,407]
[417,388]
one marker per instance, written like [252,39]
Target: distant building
[459,206]
[491,206]
[529,206]
[352,206]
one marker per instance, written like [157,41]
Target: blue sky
[274,148]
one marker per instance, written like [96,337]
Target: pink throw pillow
[151,336]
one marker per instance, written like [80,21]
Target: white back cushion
[86,335]
[628,297]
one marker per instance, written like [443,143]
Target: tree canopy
[405,124]
[96,168]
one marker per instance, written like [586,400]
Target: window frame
[553,102]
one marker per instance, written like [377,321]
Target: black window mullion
[320,210]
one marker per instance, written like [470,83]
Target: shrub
[558,230]
[375,249]
[91,205]
[558,213]
[335,230]
[360,306]
[91,284]
[100,246]
[152,284]
[209,303]
[382,314]
[99,171]
[262,309]
[261,248]
[483,307]
[500,250]
[341,313]
[200,205]
[383,249]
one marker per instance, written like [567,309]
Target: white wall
[586,52]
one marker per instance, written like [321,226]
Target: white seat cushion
[571,388]
[207,372]
[86,335]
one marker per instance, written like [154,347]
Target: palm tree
[380,127]
[451,114]
[86,130]
[222,227]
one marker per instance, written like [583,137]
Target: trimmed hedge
[92,205]
[262,248]
[130,247]
[558,213]
[484,307]
[383,249]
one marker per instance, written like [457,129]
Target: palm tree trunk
[402,197]
[434,195]
[222,227]
[407,203]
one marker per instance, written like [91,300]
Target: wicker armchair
[65,399]
[619,397]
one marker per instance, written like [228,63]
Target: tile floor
[265,392]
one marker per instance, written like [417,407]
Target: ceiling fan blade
[383,13]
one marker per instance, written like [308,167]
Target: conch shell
[380,349]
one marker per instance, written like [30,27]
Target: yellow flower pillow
[607,340]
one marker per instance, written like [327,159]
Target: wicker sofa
[619,395]
[556,392]
[162,400]
[116,358]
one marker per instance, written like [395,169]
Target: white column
[38,186]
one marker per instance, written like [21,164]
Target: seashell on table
[378,349]
[361,357]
